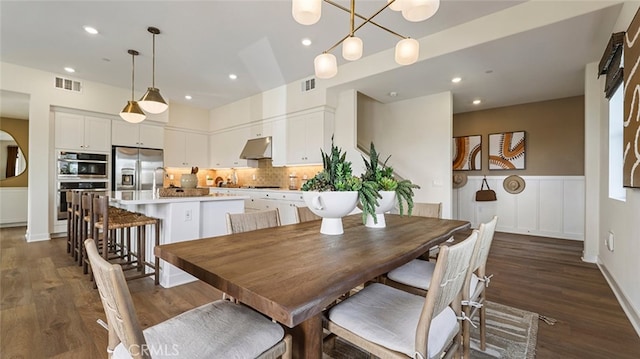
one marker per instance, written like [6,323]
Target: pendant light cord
[153,63]
[133,72]
[352,15]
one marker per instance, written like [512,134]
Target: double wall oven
[79,171]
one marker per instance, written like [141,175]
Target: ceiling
[202,42]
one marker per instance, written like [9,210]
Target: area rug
[511,333]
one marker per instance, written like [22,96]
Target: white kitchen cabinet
[225,148]
[260,129]
[185,149]
[136,135]
[305,138]
[85,133]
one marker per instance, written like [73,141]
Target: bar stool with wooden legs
[70,221]
[115,226]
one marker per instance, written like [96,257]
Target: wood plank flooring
[48,308]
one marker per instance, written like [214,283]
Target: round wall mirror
[12,161]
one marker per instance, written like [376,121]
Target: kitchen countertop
[148,197]
[235,189]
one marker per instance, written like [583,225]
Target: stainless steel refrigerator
[133,169]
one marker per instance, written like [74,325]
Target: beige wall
[554,135]
[19,129]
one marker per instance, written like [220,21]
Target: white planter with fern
[331,206]
[385,204]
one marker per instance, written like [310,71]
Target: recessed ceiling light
[188,97]
[455,80]
[233,76]
[393,94]
[477,102]
[69,69]
[91,30]
[306,42]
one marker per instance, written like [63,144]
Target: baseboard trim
[634,317]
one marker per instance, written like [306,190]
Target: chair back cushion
[251,221]
[305,215]
[433,210]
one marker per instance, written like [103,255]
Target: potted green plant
[334,192]
[389,188]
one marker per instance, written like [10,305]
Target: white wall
[13,206]
[620,266]
[187,117]
[415,132]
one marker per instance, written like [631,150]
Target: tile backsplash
[264,175]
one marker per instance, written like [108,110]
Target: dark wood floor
[48,308]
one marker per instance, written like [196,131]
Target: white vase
[331,206]
[188,180]
[385,204]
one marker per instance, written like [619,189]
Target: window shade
[611,63]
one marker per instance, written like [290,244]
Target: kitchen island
[182,219]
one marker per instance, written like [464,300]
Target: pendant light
[152,101]
[132,112]
[407,50]
[352,45]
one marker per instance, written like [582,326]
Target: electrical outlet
[609,241]
[187,215]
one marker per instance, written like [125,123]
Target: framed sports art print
[507,151]
[467,152]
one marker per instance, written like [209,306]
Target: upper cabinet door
[69,131]
[137,135]
[305,138]
[124,134]
[97,134]
[85,133]
[185,149]
[151,136]
[175,147]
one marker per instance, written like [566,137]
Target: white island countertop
[148,197]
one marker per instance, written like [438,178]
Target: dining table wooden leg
[307,338]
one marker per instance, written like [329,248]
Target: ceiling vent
[67,84]
[308,85]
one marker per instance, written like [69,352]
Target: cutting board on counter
[183,192]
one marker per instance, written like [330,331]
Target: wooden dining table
[291,273]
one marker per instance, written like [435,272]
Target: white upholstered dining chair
[416,277]
[220,329]
[304,214]
[251,221]
[391,323]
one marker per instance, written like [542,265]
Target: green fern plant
[382,176]
[337,175]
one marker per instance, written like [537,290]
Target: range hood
[257,149]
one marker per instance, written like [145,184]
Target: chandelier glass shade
[326,66]
[132,111]
[307,12]
[352,48]
[407,51]
[152,101]
[419,10]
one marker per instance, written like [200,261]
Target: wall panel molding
[549,206]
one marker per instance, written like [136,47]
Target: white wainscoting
[13,206]
[549,206]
